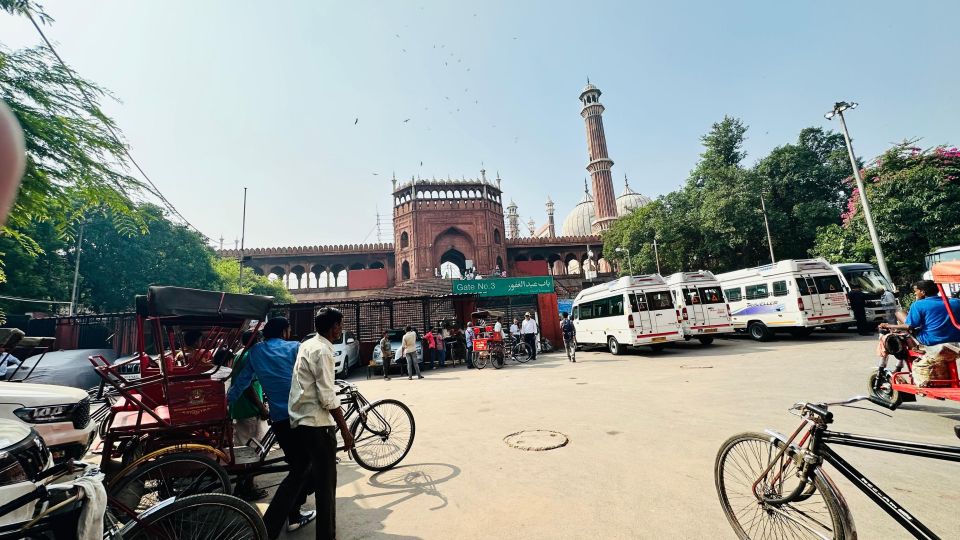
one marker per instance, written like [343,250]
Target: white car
[396,337]
[23,456]
[60,414]
[346,352]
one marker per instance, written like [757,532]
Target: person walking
[271,362]
[440,347]
[569,332]
[315,416]
[430,349]
[469,335]
[386,354]
[408,349]
[858,304]
[528,329]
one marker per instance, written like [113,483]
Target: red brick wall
[530,268]
[375,278]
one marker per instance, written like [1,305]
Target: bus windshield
[871,280]
[934,258]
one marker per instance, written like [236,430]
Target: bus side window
[734,295]
[576,312]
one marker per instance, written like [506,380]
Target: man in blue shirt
[930,323]
[271,362]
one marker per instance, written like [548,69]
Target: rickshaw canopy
[189,303]
[946,272]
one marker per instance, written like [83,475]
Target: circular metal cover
[536,440]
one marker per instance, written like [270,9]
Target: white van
[873,285]
[793,295]
[704,312]
[630,311]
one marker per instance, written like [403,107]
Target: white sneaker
[305,517]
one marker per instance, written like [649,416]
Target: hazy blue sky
[220,95]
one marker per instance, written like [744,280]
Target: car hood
[28,394]
[12,432]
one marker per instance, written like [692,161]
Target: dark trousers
[293,491]
[531,340]
[861,316]
[469,357]
[322,444]
[431,357]
[386,367]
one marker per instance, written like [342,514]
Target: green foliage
[114,267]
[228,273]
[714,221]
[915,200]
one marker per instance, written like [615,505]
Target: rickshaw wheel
[480,360]
[171,475]
[885,392]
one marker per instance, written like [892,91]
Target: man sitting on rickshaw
[930,324]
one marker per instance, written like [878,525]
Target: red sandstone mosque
[442,228]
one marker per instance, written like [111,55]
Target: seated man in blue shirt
[271,362]
[930,323]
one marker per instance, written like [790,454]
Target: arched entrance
[453,263]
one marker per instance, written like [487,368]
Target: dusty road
[644,430]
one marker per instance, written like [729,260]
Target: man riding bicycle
[930,323]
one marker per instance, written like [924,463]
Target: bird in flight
[407,120]
[355,120]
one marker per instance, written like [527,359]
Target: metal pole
[76,274]
[629,261]
[881,262]
[243,234]
[656,254]
[766,224]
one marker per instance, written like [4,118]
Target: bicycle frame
[820,438]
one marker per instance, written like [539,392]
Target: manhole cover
[536,440]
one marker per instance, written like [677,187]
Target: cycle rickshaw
[168,433]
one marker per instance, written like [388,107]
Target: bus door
[713,305]
[663,314]
[696,310]
[832,296]
[642,324]
[812,302]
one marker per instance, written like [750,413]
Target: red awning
[946,272]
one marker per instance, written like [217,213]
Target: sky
[306,103]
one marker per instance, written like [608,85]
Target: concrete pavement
[644,430]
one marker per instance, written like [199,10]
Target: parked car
[60,414]
[23,456]
[396,336]
[346,352]
[66,368]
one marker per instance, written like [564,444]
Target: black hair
[928,287]
[222,356]
[563,314]
[275,327]
[249,337]
[327,318]
[408,328]
[191,338]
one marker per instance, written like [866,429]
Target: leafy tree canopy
[228,274]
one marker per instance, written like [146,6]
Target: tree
[228,273]
[114,267]
[915,199]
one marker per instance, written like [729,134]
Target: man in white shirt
[498,327]
[528,329]
[315,416]
[408,349]
[515,329]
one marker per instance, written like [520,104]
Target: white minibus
[873,285]
[627,312]
[793,295]
[704,312]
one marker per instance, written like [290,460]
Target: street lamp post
[629,262]
[76,272]
[763,208]
[838,109]
[656,254]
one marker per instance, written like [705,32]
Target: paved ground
[644,430]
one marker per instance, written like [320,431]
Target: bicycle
[59,509]
[774,486]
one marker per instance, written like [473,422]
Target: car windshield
[395,335]
[871,281]
[935,258]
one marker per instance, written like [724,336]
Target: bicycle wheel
[496,358]
[382,435]
[173,475]
[522,352]
[818,512]
[480,360]
[209,516]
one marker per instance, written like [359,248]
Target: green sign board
[504,286]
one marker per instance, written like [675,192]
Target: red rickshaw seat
[128,419]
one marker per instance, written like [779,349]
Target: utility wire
[156,190]
[34,300]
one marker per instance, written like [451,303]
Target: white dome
[629,200]
[578,221]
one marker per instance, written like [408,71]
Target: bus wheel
[759,331]
[613,346]
[707,340]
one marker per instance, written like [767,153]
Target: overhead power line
[33,300]
[155,190]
